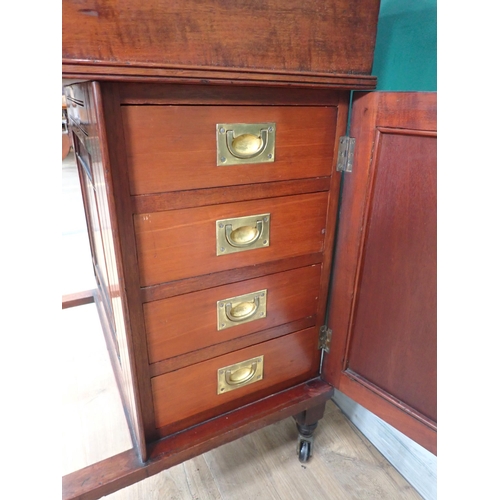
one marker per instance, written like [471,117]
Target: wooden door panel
[383,310]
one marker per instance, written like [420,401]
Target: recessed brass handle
[240,374]
[234,311]
[240,234]
[242,143]
[245,235]
[242,311]
[246,146]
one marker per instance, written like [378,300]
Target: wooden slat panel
[182,243]
[188,396]
[186,323]
[172,148]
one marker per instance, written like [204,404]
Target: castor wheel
[304,451]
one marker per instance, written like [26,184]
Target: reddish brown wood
[393,341]
[78,299]
[144,74]
[116,183]
[165,290]
[189,199]
[236,95]
[182,243]
[112,474]
[383,300]
[174,148]
[187,323]
[189,396]
[235,344]
[297,36]
[310,415]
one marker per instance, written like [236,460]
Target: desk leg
[306,422]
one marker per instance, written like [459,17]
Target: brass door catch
[241,143]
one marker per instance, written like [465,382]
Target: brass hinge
[325,338]
[346,154]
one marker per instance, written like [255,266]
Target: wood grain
[109,72]
[124,469]
[186,323]
[182,243]
[235,95]
[197,283]
[384,287]
[189,396]
[173,148]
[175,200]
[295,36]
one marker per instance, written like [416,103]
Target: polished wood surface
[384,288]
[189,396]
[299,235]
[187,323]
[202,40]
[182,243]
[171,148]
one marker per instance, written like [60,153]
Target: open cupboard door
[382,309]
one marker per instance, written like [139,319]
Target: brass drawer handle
[241,143]
[246,146]
[240,374]
[242,233]
[242,309]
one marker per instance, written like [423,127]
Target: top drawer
[173,148]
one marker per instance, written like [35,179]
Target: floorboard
[261,465]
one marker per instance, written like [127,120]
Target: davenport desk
[250,255]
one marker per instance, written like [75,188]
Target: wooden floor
[262,465]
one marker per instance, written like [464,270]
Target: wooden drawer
[179,244]
[171,148]
[189,322]
[189,395]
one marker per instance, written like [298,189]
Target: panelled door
[382,309]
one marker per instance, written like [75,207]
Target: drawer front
[185,323]
[171,148]
[190,395]
[179,244]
